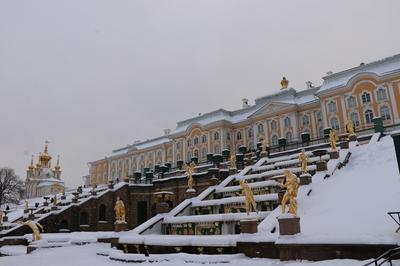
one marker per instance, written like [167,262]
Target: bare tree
[11,186]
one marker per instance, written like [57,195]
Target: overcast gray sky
[91,76]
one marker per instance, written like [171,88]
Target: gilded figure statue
[119,210]
[189,172]
[284,83]
[36,228]
[55,200]
[350,126]
[333,138]
[303,159]
[233,161]
[290,195]
[1,217]
[249,197]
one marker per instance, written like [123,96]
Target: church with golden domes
[41,179]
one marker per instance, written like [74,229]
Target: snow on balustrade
[261,184]
[222,217]
[241,199]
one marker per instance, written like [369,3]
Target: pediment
[270,108]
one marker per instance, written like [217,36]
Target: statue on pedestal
[119,210]
[233,161]
[350,126]
[189,172]
[249,197]
[291,186]
[55,201]
[303,158]
[333,138]
[284,83]
[36,228]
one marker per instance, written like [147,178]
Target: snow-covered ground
[86,255]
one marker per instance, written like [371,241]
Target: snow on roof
[380,68]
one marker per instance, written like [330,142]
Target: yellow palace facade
[360,94]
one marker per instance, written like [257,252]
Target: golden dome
[45,157]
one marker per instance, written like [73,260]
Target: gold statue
[303,158]
[119,210]
[233,161]
[291,186]
[333,138]
[189,172]
[284,83]
[350,127]
[26,206]
[55,200]
[249,197]
[1,217]
[36,228]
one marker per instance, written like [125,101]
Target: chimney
[309,84]
[245,103]
[167,131]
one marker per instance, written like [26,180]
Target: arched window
[288,137]
[366,97]
[196,141]
[178,145]
[83,218]
[228,136]
[204,139]
[203,154]
[273,125]
[381,94]
[321,132]
[260,128]
[188,156]
[369,115]
[334,123]
[351,102]
[354,119]
[385,113]
[102,212]
[250,132]
[189,142]
[287,122]
[216,149]
[216,135]
[196,153]
[274,140]
[306,120]
[178,156]
[332,106]
[239,135]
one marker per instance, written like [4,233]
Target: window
[189,142]
[306,120]
[351,102]
[334,123]
[273,125]
[216,135]
[196,141]
[385,113]
[260,128]
[288,137]
[366,97]
[274,140]
[354,119]
[228,136]
[381,94]
[203,139]
[188,156]
[178,156]
[102,212]
[196,154]
[228,147]
[332,107]
[83,218]
[369,116]
[203,154]
[319,117]
[250,132]
[321,132]
[238,135]
[287,122]
[178,146]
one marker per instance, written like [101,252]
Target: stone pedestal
[344,144]
[321,166]
[190,193]
[248,226]
[74,200]
[26,211]
[289,224]
[162,207]
[5,218]
[214,181]
[305,179]
[93,192]
[114,242]
[120,226]
[54,208]
[233,171]
[263,154]
[30,217]
[45,204]
[334,154]
[353,137]
[110,185]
